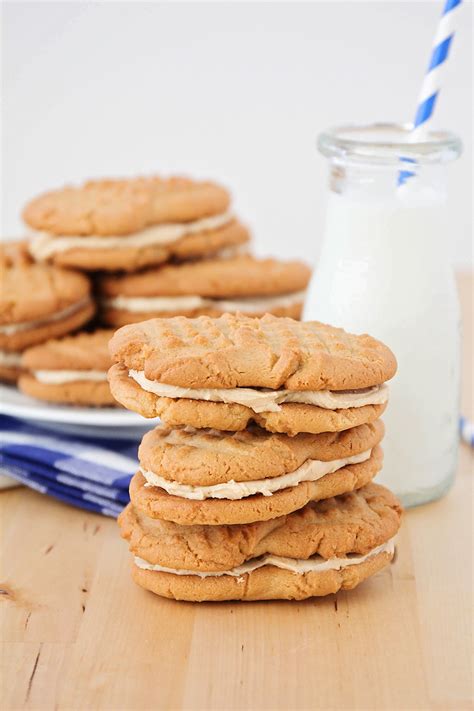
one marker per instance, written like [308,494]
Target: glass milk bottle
[385,270]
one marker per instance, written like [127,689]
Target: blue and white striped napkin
[92,474]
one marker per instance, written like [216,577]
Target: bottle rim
[388,143]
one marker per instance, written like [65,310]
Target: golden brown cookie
[122,206]
[211,287]
[370,516]
[317,550]
[85,393]
[69,370]
[291,419]
[237,351]
[239,276]
[155,502]
[202,458]
[266,583]
[131,224]
[38,301]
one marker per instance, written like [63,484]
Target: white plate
[87,421]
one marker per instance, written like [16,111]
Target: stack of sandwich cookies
[205,287]
[249,513]
[223,373]
[70,370]
[130,224]
[37,302]
[324,547]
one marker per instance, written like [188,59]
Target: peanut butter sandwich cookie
[69,370]
[208,287]
[208,477]
[37,302]
[324,547]
[131,223]
[223,373]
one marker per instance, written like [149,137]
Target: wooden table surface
[77,634]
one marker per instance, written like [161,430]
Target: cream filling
[315,564]
[44,244]
[10,329]
[58,377]
[144,304]
[311,470]
[237,250]
[267,400]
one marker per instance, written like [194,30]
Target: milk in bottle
[384,269]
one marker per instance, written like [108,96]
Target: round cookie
[38,301]
[206,458]
[121,206]
[206,287]
[237,351]
[326,546]
[206,372]
[267,583]
[155,502]
[291,419]
[131,223]
[372,514]
[70,370]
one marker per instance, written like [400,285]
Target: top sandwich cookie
[130,224]
[221,373]
[37,302]
[206,287]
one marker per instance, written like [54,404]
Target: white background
[231,91]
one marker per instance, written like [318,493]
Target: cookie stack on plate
[258,484]
[155,247]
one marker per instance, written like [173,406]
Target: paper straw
[466,428]
[432,82]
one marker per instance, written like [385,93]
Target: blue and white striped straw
[432,81]
[466,428]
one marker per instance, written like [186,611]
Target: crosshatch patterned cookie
[37,302]
[129,224]
[69,370]
[222,373]
[324,547]
[205,287]
[208,458]
[122,206]
[237,351]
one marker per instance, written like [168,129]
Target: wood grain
[77,634]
